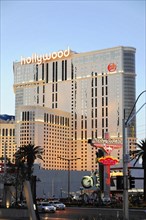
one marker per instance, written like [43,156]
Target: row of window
[28,116]
[55,119]
[54,71]
[7,132]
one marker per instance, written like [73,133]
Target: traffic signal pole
[125,173]
[126,123]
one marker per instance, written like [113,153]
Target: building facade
[65,98]
[7,137]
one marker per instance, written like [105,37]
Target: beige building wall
[7,139]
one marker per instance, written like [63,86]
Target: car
[58,205]
[46,207]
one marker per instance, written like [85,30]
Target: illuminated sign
[38,59]
[107,145]
[112,67]
[108,160]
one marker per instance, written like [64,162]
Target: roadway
[74,213]
[79,213]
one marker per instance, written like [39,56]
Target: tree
[27,154]
[140,152]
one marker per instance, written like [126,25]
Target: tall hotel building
[65,98]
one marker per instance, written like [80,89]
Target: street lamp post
[68,160]
[126,123]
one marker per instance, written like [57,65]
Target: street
[78,213]
[74,213]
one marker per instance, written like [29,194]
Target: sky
[45,26]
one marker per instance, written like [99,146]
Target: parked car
[58,205]
[46,207]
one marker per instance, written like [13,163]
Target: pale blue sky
[45,26]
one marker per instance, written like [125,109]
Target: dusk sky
[45,26]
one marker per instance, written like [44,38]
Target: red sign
[108,160]
[112,67]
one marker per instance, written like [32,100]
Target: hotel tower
[64,98]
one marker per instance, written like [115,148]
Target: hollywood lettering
[39,59]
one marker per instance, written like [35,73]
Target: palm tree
[27,154]
[140,152]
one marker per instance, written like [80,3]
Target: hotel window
[102,80]
[106,80]
[42,71]
[75,124]
[95,123]
[106,101]
[82,124]
[92,103]
[102,133]
[65,69]
[37,99]
[43,89]
[102,122]
[95,81]
[6,132]
[81,134]
[92,92]
[56,97]
[85,124]
[37,72]
[92,123]
[106,111]
[102,90]
[95,102]
[10,132]
[106,122]
[92,113]
[96,112]
[52,87]
[102,101]
[53,97]
[92,83]
[53,77]
[106,90]
[43,99]
[75,135]
[47,72]
[72,71]
[56,72]
[102,112]
[95,91]
[62,70]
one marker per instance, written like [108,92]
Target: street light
[69,160]
[126,123]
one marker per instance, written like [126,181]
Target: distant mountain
[7,117]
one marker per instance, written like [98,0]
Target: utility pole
[126,123]
[68,160]
[125,173]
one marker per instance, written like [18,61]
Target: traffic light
[131,182]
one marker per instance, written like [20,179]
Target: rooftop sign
[39,59]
